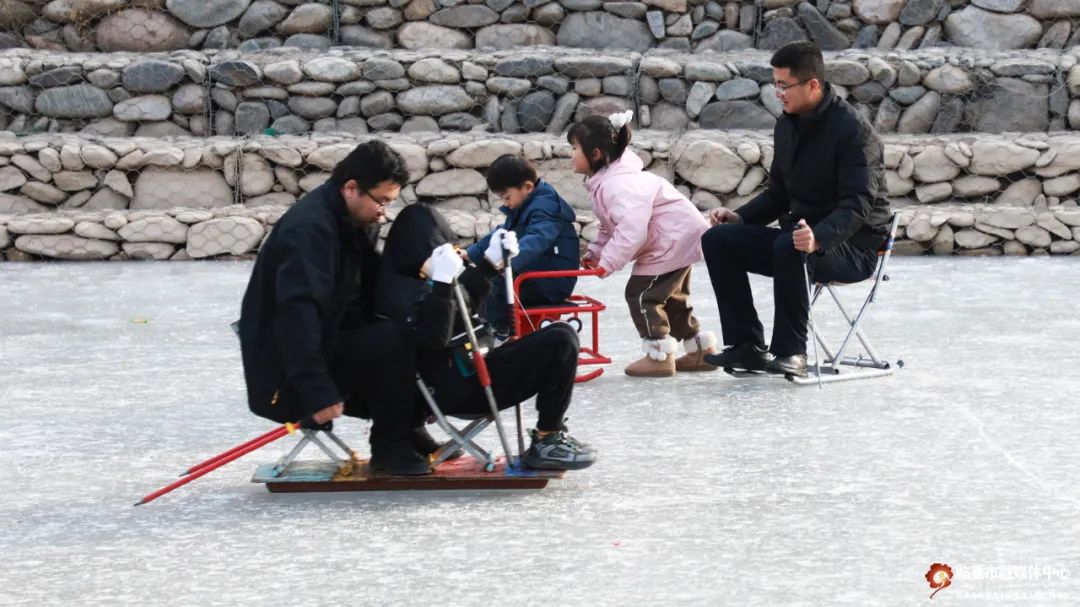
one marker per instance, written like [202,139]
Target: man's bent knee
[783,249]
[718,238]
[562,333]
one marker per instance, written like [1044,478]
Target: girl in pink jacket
[643,219]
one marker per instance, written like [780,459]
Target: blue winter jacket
[544,224]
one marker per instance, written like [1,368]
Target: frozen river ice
[710,490]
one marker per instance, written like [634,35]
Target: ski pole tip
[139,503]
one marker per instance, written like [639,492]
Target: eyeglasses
[379,203]
[783,88]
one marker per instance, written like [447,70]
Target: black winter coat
[827,169]
[314,276]
[428,310]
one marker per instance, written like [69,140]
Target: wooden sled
[465,473]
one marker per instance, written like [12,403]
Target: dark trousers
[733,250]
[497,311]
[541,364]
[375,368]
[532,293]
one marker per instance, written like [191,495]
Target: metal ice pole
[482,372]
[508,281]
[810,315]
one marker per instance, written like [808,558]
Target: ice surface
[710,490]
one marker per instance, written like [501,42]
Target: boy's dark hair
[803,58]
[510,171]
[370,164]
[597,133]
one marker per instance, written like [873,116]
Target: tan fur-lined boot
[659,359]
[696,348]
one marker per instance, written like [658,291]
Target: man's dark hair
[803,58]
[370,164]
[596,133]
[510,171]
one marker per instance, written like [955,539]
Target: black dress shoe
[743,357]
[399,458]
[788,365]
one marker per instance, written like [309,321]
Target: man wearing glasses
[826,188]
[312,347]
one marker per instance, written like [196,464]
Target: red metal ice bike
[576,307]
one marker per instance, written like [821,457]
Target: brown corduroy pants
[660,305]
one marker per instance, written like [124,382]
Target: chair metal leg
[289,457]
[467,435]
[854,327]
[466,444]
[345,464]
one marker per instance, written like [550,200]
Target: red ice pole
[221,460]
[222,456]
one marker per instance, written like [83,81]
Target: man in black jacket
[311,345]
[826,188]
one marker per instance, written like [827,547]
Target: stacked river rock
[71,198]
[250,25]
[361,91]
[174,129]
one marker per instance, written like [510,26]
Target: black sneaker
[558,451]
[788,365]
[425,444]
[398,458]
[743,357]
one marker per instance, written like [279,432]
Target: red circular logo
[939,576]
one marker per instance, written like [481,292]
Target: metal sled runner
[836,366]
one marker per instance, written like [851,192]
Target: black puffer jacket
[427,310]
[314,276]
[827,169]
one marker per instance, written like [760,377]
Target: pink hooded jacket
[643,219]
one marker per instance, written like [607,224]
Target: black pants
[541,364]
[733,250]
[375,367]
[497,311]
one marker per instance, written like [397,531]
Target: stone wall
[361,91]
[160,25]
[74,198]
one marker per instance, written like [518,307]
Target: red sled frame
[527,320]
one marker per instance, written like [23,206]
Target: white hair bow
[620,119]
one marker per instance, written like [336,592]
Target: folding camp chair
[527,320]
[837,366]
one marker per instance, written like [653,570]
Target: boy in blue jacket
[544,224]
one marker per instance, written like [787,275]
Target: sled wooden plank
[461,474]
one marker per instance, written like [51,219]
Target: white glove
[510,244]
[501,239]
[446,264]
